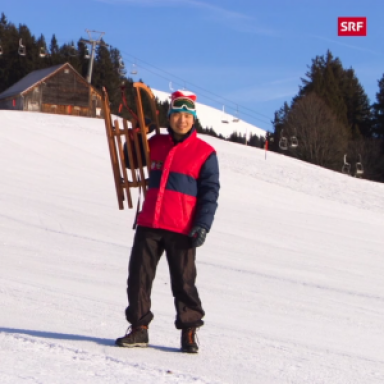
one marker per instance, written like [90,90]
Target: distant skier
[177,213]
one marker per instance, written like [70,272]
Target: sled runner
[128,145]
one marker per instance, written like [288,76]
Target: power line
[184,82]
[260,117]
[215,100]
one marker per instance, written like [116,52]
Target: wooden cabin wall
[65,88]
[12,103]
[63,93]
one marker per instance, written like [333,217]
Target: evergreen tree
[340,89]
[105,74]
[347,101]
[325,79]
[3,20]
[378,112]
[43,61]
[279,122]
[82,52]
[54,50]
[68,53]
[358,107]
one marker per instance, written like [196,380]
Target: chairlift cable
[210,98]
[198,87]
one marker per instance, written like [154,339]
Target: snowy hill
[291,275]
[213,118]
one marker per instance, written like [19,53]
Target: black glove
[198,236]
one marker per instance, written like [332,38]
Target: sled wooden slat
[129,151]
[122,164]
[141,117]
[112,151]
[141,182]
[137,147]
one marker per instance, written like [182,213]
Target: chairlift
[171,89]
[86,53]
[121,63]
[72,51]
[236,118]
[283,142]
[43,52]
[22,50]
[346,169]
[121,67]
[1,49]
[134,69]
[359,167]
[224,119]
[293,142]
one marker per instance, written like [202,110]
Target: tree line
[333,120]
[331,116]
[108,70]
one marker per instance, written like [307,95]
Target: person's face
[181,122]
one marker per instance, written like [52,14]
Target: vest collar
[191,133]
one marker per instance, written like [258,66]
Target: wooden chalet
[58,89]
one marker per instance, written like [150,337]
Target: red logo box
[352,26]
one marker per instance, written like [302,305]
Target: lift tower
[93,44]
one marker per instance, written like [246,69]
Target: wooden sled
[134,134]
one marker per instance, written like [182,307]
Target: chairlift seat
[283,143]
[293,142]
[346,168]
[359,168]
[224,119]
[22,50]
[72,51]
[133,69]
[43,52]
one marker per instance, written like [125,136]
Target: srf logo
[352,26]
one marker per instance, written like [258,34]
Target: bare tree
[322,139]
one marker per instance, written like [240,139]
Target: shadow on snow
[67,336]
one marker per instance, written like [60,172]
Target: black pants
[149,244]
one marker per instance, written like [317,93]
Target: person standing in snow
[177,213]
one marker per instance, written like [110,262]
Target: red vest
[171,198]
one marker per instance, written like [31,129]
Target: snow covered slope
[210,117]
[291,275]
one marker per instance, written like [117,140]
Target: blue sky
[247,55]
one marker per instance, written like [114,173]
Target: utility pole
[93,50]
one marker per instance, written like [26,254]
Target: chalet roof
[31,80]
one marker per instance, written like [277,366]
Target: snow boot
[135,337]
[188,340]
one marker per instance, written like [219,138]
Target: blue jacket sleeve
[208,192]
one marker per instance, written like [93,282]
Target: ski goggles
[183,104]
